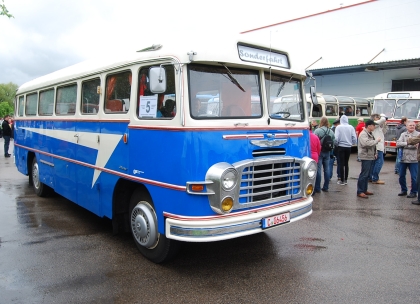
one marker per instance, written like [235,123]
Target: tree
[7,97]
[4,11]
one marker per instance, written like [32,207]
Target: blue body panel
[172,157]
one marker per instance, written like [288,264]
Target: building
[360,50]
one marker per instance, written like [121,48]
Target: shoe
[362,195]
[368,193]
[370,181]
[325,190]
[317,191]
[340,183]
[396,172]
[412,195]
[402,193]
[415,202]
[345,182]
[378,182]
[359,160]
[7,155]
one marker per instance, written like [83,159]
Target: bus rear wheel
[40,188]
[144,229]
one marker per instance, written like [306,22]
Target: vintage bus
[396,105]
[333,106]
[126,138]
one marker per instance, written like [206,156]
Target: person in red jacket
[315,145]
[359,128]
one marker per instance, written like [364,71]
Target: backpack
[327,144]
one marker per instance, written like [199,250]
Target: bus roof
[399,95]
[204,52]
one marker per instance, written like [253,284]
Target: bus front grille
[391,134]
[268,182]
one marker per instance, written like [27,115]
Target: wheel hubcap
[144,225]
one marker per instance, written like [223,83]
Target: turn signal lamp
[197,188]
[227,204]
[309,189]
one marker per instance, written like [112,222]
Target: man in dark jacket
[7,133]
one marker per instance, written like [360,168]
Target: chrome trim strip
[47,163]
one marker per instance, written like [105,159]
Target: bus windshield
[285,94]
[408,108]
[222,92]
[385,106]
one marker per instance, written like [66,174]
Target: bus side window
[118,93]
[156,106]
[46,102]
[31,102]
[66,100]
[90,96]
[316,111]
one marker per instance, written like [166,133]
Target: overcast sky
[47,35]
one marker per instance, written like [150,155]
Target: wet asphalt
[350,250]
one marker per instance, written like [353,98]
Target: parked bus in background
[126,138]
[396,105]
[333,107]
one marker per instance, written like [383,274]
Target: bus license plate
[275,220]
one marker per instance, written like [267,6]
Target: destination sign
[250,54]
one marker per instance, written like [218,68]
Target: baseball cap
[360,119]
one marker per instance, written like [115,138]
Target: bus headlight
[229,179]
[312,170]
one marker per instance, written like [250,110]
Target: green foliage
[7,97]
[4,11]
[5,109]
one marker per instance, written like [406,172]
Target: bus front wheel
[40,188]
[144,229]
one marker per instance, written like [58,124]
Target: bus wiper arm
[232,79]
[282,86]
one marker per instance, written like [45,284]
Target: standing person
[345,137]
[401,127]
[314,125]
[334,154]
[7,133]
[408,160]
[324,158]
[366,149]
[416,141]
[380,130]
[359,128]
[315,149]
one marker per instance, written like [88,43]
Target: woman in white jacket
[345,138]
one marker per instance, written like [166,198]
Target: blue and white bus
[126,139]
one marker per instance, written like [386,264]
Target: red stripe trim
[188,129]
[113,172]
[236,214]
[308,16]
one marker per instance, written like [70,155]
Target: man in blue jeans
[324,157]
[7,133]
[366,147]
[380,125]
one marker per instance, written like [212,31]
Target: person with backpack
[326,137]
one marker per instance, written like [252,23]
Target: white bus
[396,105]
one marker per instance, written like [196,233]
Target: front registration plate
[275,220]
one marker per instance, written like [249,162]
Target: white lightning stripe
[105,147]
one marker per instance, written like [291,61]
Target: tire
[144,229]
[40,188]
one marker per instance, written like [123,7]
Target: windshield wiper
[282,86]
[232,79]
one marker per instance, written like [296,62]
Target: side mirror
[314,98]
[157,78]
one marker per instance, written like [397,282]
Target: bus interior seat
[114,105]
